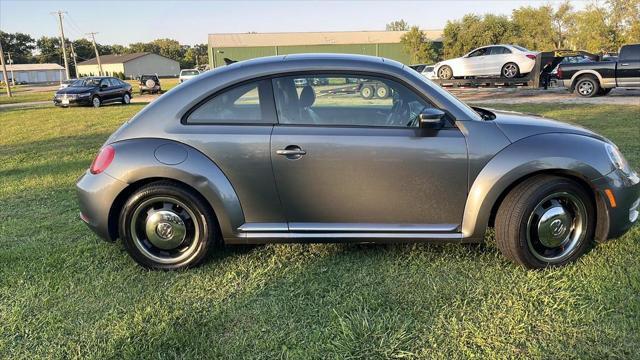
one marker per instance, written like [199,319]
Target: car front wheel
[96,102]
[164,226]
[445,72]
[545,221]
[126,98]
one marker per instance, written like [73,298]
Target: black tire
[96,102]
[510,71]
[445,72]
[126,99]
[518,234]
[367,92]
[382,92]
[587,86]
[199,227]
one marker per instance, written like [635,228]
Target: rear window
[630,52]
[190,72]
[521,48]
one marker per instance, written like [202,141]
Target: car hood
[517,126]
[74,90]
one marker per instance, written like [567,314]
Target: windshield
[190,72]
[85,82]
[521,48]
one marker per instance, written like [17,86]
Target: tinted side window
[479,52]
[114,82]
[248,103]
[335,100]
[630,53]
[499,50]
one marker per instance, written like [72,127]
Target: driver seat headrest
[307,97]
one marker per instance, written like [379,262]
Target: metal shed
[35,73]
[251,45]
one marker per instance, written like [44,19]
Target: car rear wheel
[587,86]
[545,221]
[382,92]
[96,102]
[445,72]
[163,226]
[126,98]
[510,70]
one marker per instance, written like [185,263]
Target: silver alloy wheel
[367,92]
[126,99]
[556,227]
[165,230]
[586,87]
[382,92]
[96,102]
[444,72]
[510,70]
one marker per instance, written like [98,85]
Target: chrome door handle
[624,64]
[287,152]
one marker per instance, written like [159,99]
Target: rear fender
[140,159]
[577,155]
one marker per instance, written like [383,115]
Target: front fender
[140,159]
[578,155]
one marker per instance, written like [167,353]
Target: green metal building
[252,45]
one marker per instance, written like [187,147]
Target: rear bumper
[96,195]
[622,211]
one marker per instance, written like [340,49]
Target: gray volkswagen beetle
[287,149]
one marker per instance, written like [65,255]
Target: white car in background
[507,61]
[186,74]
[429,72]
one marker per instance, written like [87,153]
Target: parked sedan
[186,74]
[240,155]
[93,91]
[508,61]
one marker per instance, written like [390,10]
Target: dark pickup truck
[599,77]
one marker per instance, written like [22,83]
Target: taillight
[559,72]
[102,160]
[531,56]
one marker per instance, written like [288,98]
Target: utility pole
[95,47]
[13,78]
[4,71]
[75,63]
[62,44]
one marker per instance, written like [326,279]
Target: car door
[117,88]
[343,162]
[628,67]
[474,62]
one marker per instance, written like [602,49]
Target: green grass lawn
[23,94]
[65,294]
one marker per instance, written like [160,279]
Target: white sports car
[508,61]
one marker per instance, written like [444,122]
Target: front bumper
[96,196]
[622,212]
[78,101]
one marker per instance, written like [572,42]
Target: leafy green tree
[534,27]
[420,48]
[472,31]
[49,50]
[397,25]
[169,48]
[591,31]
[561,21]
[19,45]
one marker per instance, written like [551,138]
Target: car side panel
[578,155]
[140,160]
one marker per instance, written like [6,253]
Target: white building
[35,73]
[132,65]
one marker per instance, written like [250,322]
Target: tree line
[24,49]
[599,28]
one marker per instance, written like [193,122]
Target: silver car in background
[186,74]
[507,61]
[242,155]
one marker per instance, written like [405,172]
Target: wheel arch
[576,76]
[540,154]
[196,173]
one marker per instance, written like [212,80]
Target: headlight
[84,94]
[618,161]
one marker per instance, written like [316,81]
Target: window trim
[450,121]
[267,107]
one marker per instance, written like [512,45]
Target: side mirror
[431,118]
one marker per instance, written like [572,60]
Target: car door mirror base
[431,118]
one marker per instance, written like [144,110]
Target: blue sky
[189,22]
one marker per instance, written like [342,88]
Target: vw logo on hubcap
[557,227]
[164,230]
